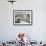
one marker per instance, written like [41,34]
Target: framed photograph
[22,17]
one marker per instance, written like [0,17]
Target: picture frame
[22,17]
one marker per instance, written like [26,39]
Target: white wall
[38,30]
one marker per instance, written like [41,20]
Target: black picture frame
[20,15]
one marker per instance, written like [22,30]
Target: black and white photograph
[22,17]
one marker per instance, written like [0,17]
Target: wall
[38,29]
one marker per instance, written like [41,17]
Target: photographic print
[22,17]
